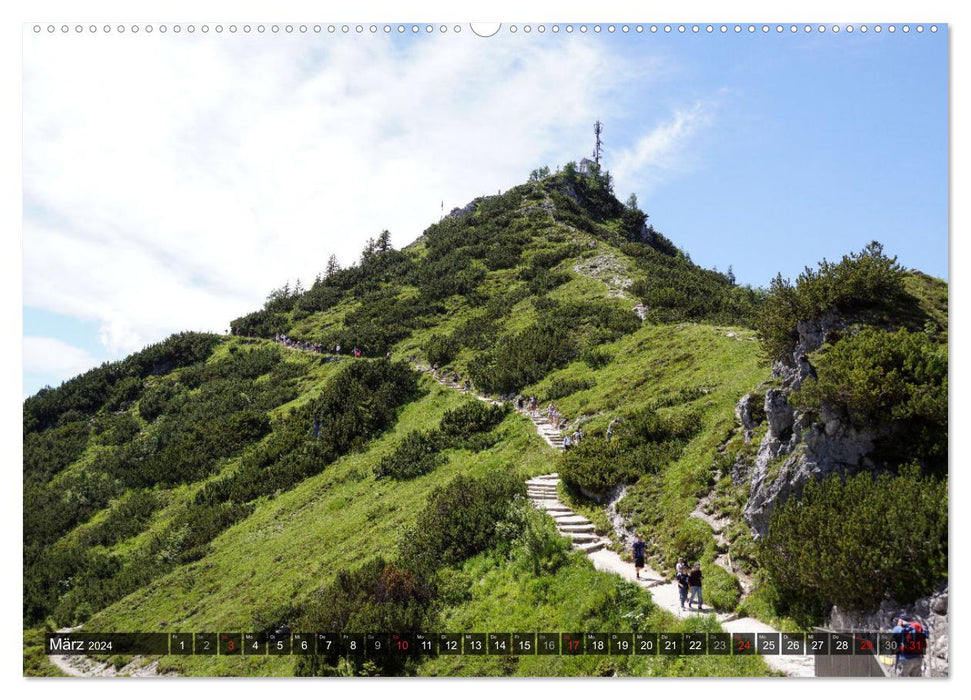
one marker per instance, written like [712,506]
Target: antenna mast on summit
[598,148]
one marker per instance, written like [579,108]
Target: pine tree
[333,266]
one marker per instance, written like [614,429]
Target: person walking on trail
[680,566]
[694,586]
[638,551]
[682,578]
[911,644]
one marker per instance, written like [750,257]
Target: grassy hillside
[229,483]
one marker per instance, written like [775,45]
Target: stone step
[582,537]
[570,519]
[541,490]
[589,547]
[547,503]
[586,527]
[558,509]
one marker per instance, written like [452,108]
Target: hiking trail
[543,492]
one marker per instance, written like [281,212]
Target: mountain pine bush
[873,538]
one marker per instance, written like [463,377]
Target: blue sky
[171,182]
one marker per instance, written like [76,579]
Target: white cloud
[171,181]
[662,149]
[50,357]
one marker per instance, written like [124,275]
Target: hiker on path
[567,442]
[911,644]
[638,551]
[694,583]
[681,566]
[682,578]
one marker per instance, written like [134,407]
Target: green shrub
[894,382]
[377,597]
[47,453]
[114,382]
[644,443]
[862,281]
[522,358]
[441,349]
[719,588]
[417,454]
[116,429]
[190,455]
[559,387]
[126,518]
[357,404]
[597,358]
[459,424]
[873,538]
[692,540]
[459,519]
[675,289]
[532,538]
[159,399]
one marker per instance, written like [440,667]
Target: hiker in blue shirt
[638,551]
[911,642]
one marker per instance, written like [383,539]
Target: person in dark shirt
[683,583]
[694,586]
[638,551]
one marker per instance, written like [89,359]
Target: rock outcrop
[809,446]
[463,211]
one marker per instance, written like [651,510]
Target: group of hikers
[289,342]
[305,345]
[688,578]
[453,376]
[553,415]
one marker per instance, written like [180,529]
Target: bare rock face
[779,414]
[812,334]
[930,611]
[816,445]
[749,413]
